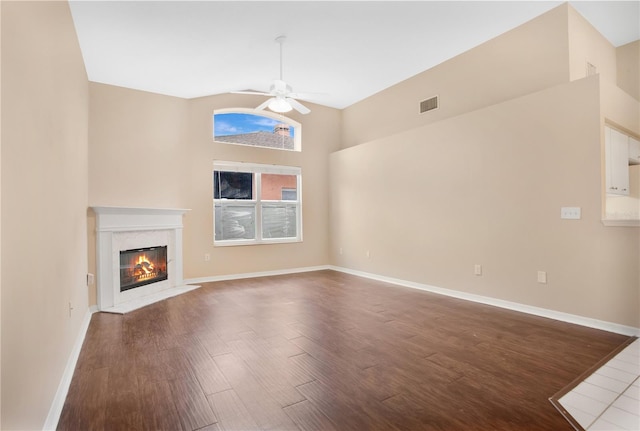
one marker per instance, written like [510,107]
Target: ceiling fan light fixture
[282,99]
[279,105]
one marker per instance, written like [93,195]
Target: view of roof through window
[255,130]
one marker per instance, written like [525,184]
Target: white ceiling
[348,50]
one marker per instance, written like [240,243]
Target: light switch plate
[570,213]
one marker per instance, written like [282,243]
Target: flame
[143,267]
[145,263]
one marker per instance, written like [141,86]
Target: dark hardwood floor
[325,351]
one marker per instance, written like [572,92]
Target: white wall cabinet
[634,151]
[617,162]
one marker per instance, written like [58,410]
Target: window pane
[279,221]
[234,222]
[232,185]
[276,187]
[255,130]
[289,194]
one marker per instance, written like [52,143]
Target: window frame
[297,134]
[257,202]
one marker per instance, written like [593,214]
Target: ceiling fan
[282,98]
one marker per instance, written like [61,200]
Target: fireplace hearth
[140,267]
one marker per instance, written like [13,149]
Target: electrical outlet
[477,269]
[570,213]
[90,279]
[207,257]
[542,277]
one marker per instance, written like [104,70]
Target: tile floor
[609,399]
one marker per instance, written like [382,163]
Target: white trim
[138,210]
[255,168]
[136,228]
[240,242]
[621,222]
[523,308]
[51,423]
[256,274]
[257,204]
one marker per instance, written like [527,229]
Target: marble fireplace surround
[123,228]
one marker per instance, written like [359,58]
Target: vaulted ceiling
[347,50]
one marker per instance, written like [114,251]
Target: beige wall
[490,171]
[528,58]
[320,137]
[586,44]
[486,188]
[628,68]
[44,200]
[148,150]
[138,148]
[619,108]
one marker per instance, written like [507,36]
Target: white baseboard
[51,423]
[255,274]
[523,308]
[537,311]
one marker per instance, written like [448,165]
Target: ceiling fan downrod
[280,40]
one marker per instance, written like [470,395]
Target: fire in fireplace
[142,266]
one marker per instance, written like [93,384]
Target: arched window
[264,129]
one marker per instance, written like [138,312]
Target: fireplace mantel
[126,219]
[122,228]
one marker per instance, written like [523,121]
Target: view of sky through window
[234,123]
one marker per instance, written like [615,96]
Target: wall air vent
[429,104]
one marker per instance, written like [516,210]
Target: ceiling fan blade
[256,93]
[282,98]
[264,104]
[298,106]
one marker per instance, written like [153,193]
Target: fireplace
[139,267]
[138,257]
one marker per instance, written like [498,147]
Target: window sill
[621,222]
[233,243]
